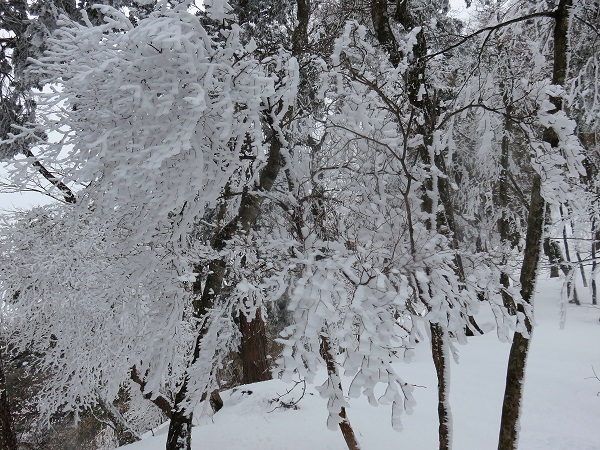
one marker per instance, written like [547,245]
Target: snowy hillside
[561,405]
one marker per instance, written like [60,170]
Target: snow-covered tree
[377,178]
[155,116]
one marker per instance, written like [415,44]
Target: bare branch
[491,29]
[163,403]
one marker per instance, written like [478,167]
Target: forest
[247,190]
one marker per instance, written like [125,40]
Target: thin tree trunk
[8,438]
[332,372]
[595,243]
[577,253]
[427,105]
[515,373]
[571,288]
[581,269]
[439,353]
[507,236]
[552,249]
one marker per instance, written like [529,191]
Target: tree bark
[204,297]
[179,436]
[425,102]
[439,353]
[383,32]
[571,287]
[507,235]
[254,349]
[254,344]
[595,246]
[332,372]
[8,438]
[515,373]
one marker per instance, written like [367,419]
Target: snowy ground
[561,405]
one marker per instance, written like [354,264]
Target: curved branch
[491,28]
[163,404]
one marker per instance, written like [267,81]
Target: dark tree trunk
[513,393]
[300,34]
[180,432]
[507,235]
[332,372]
[381,24]
[552,252]
[205,296]
[520,346]
[254,349]
[439,353]
[179,436]
[515,373]
[595,245]
[581,269]
[254,339]
[8,438]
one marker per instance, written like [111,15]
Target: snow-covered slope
[561,405]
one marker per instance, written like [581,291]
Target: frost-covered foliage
[402,213]
[584,88]
[376,273]
[154,117]
[73,303]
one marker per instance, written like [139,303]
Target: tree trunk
[595,245]
[332,372]
[552,250]
[180,432]
[571,288]
[426,103]
[205,296]
[383,31]
[439,353]
[254,349]
[511,408]
[515,373]
[8,438]
[507,235]
[179,436]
